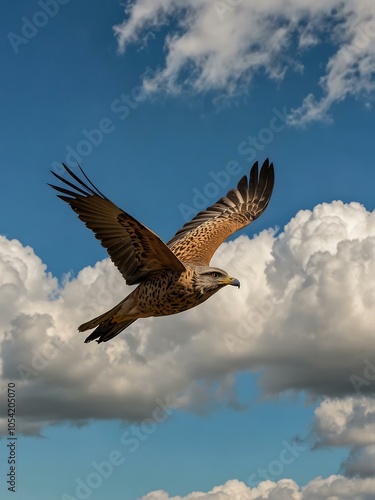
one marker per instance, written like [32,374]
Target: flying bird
[172,277]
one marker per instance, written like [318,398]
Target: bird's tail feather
[100,319]
[106,329]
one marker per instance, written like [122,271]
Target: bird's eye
[215,275]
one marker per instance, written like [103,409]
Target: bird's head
[211,279]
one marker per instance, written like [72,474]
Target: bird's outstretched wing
[198,239]
[136,251]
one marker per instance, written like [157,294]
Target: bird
[172,277]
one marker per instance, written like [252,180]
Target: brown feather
[198,239]
[136,251]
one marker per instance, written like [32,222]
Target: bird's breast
[167,293]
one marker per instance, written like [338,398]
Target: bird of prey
[172,277]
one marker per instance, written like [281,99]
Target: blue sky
[163,139]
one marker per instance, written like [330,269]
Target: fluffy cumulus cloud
[333,487]
[303,318]
[222,44]
[349,422]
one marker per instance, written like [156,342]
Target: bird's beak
[231,281]
[235,282]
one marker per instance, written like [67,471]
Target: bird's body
[169,293]
[165,294]
[172,277]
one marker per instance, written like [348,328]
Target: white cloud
[221,45]
[350,71]
[361,462]
[349,422]
[303,316]
[333,487]
[339,487]
[321,292]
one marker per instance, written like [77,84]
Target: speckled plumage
[171,277]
